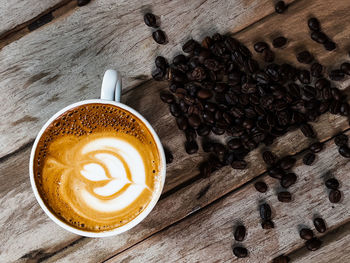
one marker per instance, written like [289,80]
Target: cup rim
[138,218]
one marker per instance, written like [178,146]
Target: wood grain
[16,12]
[207,236]
[335,249]
[63,62]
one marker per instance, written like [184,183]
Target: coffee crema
[97,167]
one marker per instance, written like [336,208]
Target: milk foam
[130,160]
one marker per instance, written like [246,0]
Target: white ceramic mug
[110,94]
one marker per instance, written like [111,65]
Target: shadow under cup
[97,168]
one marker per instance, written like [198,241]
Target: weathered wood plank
[64,61]
[207,236]
[16,12]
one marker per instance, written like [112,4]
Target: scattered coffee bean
[279,42]
[260,46]
[239,234]
[288,180]
[150,20]
[341,139]
[83,2]
[344,151]
[345,67]
[269,158]
[307,130]
[334,196]
[265,211]
[158,74]
[281,259]
[332,183]
[174,110]
[306,234]
[189,46]
[316,147]
[168,155]
[309,158]
[240,252]
[276,172]
[284,197]
[191,147]
[182,123]
[287,163]
[320,225]
[336,75]
[159,36]
[305,57]
[239,164]
[261,187]
[167,97]
[161,62]
[319,37]
[267,224]
[280,7]
[316,70]
[329,45]
[314,24]
[313,244]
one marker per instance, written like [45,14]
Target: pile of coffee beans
[313,243]
[334,194]
[158,35]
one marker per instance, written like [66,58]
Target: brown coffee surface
[97,167]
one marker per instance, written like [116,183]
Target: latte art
[97,174]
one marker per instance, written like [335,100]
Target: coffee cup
[97,167]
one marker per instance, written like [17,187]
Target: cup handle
[111,86]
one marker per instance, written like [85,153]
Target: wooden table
[53,53]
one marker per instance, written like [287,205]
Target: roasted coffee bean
[344,151]
[208,146]
[341,139]
[268,55]
[305,57]
[203,130]
[182,123]
[208,117]
[260,187]
[267,224]
[314,24]
[320,225]
[179,59]
[336,93]
[319,37]
[279,42]
[159,36]
[288,180]
[276,172]
[83,2]
[229,158]
[239,164]
[191,134]
[334,196]
[158,74]
[309,92]
[204,94]
[313,244]
[316,147]
[217,131]
[287,163]
[265,211]
[234,144]
[207,42]
[309,158]
[284,197]
[332,183]
[316,70]
[269,158]
[336,75]
[191,147]
[189,46]
[307,130]
[280,7]
[304,76]
[194,121]
[345,67]
[150,20]
[219,149]
[174,110]
[161,62]
[168,155]
[239,234]
[329,45]
[167,97]
[322,83]
[306,234]
[281,259]
[324,106]
[240,252]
